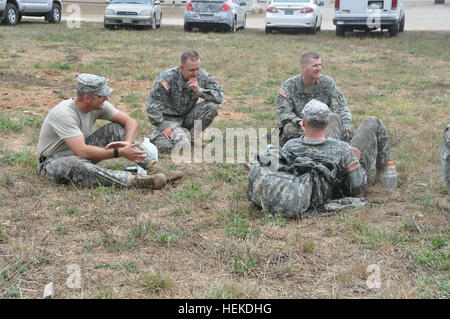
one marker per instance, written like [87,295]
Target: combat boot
[154,168]
[444,203]
[154,181]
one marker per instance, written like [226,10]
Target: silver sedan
[218,14]
[294,14]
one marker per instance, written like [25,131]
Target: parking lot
[420,15]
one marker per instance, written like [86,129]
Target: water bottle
[135,169]
[390,176]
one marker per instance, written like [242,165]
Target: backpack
[297,190]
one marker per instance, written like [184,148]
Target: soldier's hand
[132,154]
[117,144]
[349,133]
[193,84]
[167,132]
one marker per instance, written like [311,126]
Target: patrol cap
[316,112]
[91,83]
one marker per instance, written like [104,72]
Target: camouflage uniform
[76,170]
[294,95]
[58,163]
[370,138]
[445,155]
[334,170]
[171,103]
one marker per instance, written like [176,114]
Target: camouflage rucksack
[298,190]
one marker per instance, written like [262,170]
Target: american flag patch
[354,166]
[283,93]
[165,85]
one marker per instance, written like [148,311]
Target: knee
[213,109]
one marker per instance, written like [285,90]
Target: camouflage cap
[316,112]
[91,83]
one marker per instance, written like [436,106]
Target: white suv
[369,15]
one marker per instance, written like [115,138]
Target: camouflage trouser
[445,155]
[335,129]
[204,112]
[76,170]
[371,138]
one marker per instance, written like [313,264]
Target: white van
[369,15]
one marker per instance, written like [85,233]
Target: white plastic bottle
[390,176]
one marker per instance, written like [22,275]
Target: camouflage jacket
[340,154]
[170,97]
[293,96]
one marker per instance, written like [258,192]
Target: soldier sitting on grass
[316,170]
[300,89]
[68,152]
[172,104]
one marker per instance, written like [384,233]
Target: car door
[37,5]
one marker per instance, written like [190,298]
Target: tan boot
[154,181]
[154,167]
[444,203]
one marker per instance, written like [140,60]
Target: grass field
[201,237]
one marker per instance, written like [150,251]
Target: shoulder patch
[341,98]
[354,166]
[283,93]
[166,85]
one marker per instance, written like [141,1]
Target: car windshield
[132,1]
[291,1]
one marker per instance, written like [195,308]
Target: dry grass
[201,238]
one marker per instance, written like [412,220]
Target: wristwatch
[116,152]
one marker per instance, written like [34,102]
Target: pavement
[421,15]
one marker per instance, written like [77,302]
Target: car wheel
[55,14]
[233,26]
[268,30]
[11,16]
[393,31]
[402,25]
[160,21]
[187,27]
[340,31]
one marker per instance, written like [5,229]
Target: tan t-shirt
[66,120]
